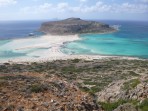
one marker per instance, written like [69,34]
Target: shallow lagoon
[130,40]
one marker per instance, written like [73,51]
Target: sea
[131,39]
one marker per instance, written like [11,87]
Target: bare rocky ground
[75,85]
[36,92]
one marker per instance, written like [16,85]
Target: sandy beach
[53,45]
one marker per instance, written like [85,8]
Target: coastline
[109,32]
[54,43]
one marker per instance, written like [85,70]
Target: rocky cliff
[74,26]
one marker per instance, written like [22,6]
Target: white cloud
[7,2]
[118,8]
[113,8]
[83,0]
[145,1]
[44,8]
[141,1]
[62,7]
[84,8]
[133,8]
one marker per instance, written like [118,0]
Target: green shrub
[95,89]
[76,60]
[3,83]
[146,81]
[132,73]
[10,108]
[85,89]
[89,83]
[111,106]
[71,69]
[131,84]
[6,77]
[144,105]
[36,88]
[1,108]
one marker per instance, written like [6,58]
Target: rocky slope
[41,92]
[74,26]
[75,85]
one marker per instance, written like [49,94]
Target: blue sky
[86,9]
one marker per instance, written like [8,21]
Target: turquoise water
[130,40]
[17,48]
[10,31]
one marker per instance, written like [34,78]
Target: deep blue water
[18,29]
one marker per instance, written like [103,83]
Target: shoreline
[54,50]
[109,32]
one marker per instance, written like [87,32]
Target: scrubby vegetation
[90,77]
[111,106]
[36,88]
[131,84]
[144,105]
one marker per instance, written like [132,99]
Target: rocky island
[72,26]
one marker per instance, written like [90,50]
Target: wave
[116,26]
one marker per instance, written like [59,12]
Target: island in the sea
[72,26]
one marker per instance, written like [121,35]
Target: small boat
[31,34]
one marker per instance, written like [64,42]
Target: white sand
[52,52]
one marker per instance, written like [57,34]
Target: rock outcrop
[38,92]
[126,107]
[115,90]
[74,26]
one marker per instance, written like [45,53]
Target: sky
[86,9]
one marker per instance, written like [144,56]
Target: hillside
[75,85]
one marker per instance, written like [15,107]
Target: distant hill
[74,26]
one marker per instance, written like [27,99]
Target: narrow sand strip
[53,45]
